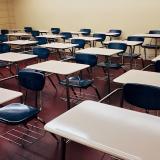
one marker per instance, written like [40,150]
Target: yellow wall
[133,16]
[7,19]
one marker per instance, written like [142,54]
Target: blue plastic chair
[42,53]
[101,36]
[17,113]
[41,40]
[143,96]
[86,31]
[79,82]
[66,35]
[55,30]
[4,31]
[80,42]
[35,33]
[4,48]
[28,29]
[118,31]
[3,38]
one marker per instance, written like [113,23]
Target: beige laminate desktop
[21,42]
[59,45]
[128,43]
[99,51]
[140,77]
[58,67]
[15,57]
[123,133]
[8,95]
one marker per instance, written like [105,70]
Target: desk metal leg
[156,49]
[17,68]
[131,59]
[67,94]
[63,148]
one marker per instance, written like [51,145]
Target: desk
[43,32]
[76,32]
[131,44]
[60,68]
[18,35]
[140,77]
[99,51]
[8,95]
[14,58]
[59,46]
[21,43]
[51,36]
[155,36]
[109,34]
[117,131]
[91,40]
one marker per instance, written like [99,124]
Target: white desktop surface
[126,134]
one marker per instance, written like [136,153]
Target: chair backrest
[31,79]
[154,32]
[157,66]
[35,33]
[3,38]
[86,31]
[4,48]
[99,35]
[66,35]
[88,59]
[116,45]
[42,53]
[143,96]
[118,31]
[55,30]
[28,29]
[4,31]
[81,42]
[135,38]
[41,40]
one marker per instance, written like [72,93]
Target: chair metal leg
[52,83]
[74,92]
[142,62]
[122,101]
[145,53]
[10,70]
[63,148]
[97,92]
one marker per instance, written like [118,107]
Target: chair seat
[150,46]
[17,113]
[77,82]
[110,65]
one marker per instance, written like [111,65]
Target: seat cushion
[17,113]
[77,82]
